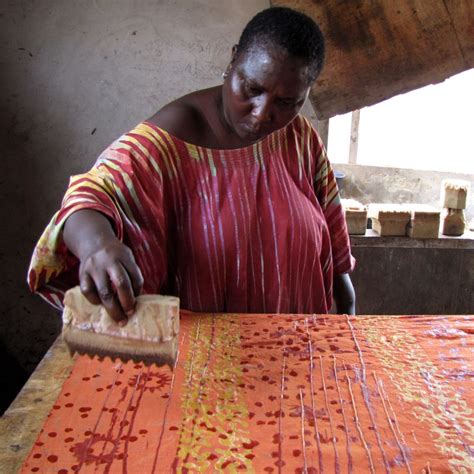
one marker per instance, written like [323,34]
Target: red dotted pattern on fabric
[312,394]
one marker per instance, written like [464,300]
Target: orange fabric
[275,393]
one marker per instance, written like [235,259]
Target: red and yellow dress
[256,229]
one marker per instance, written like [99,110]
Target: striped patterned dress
[256,229]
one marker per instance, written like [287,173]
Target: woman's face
[264,91]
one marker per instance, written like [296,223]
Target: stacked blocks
[453,200]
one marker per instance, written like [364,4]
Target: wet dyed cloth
[256,229]
[275,393]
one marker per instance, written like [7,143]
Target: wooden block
[356,216]
[454,193]
[150,335]
[356,222]
[424,222]
[389,219]
[454,222]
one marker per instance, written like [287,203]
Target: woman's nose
[262,111]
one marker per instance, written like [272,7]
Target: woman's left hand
[344,294]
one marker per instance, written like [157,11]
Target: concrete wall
[398,185]
[399,275]
[75,75]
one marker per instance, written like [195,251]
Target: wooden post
[354,137]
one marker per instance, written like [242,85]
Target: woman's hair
[289,29]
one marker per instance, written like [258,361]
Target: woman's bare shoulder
[183,118]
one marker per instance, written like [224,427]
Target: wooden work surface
[21,423]
[361,394]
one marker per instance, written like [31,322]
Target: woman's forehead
[273,65]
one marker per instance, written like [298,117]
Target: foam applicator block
[150,335]
[454,193]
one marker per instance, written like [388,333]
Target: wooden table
[22,422]
[422,364]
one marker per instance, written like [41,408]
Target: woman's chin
[251,135]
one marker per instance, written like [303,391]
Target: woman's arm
[344,294]
[108,273]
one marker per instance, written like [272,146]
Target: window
[429,129]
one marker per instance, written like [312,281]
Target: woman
[224,198]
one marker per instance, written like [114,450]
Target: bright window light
[430,129]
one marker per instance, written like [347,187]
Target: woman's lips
[253,132]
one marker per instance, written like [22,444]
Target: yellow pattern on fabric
[331,196]
[216,342]
[212,165]
[231,407]
[299,151]
[98,179]
[148,158]
[46,250]
[193,152]
[410,371]
[258,154]
[161,148]
[114,189]
[321,178]
[92,180]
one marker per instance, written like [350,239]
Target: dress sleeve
[327,193]
[119,186]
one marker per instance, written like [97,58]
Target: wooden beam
[378,49]
[354,137]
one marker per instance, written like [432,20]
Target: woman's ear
[234,52]
[232,59]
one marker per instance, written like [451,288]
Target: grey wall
[398,185]
[75,75]
[413,276]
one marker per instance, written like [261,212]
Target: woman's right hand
[108,272]
[110,276]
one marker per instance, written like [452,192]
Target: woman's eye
[252,90]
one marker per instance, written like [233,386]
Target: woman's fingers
[123,288]
[108,298]
[88,288]
[111,277]
[134,272]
